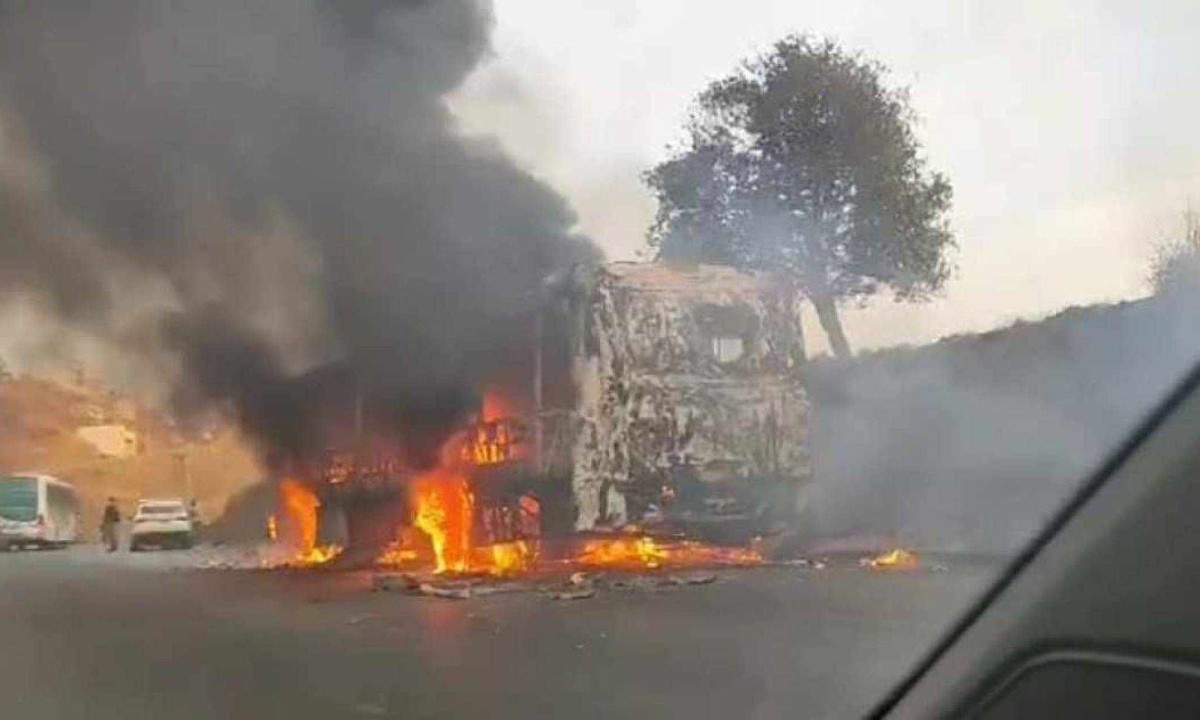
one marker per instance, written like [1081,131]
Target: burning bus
[638,397]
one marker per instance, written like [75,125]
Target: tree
[1176,263]
[804,165]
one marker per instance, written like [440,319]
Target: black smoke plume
[268,186]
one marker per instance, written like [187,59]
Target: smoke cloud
[974,442]
[237,192]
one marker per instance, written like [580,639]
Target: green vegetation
[804,164]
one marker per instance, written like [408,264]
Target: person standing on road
[108,525]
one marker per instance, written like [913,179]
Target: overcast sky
[1069,130]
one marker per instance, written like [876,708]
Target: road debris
[576,586]
[442,591]
[580,594]
[815,564]
[691,579]
[384,582]
[635,584]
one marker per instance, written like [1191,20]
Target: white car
[161,523]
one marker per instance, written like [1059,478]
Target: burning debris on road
[896,559]
[637,552]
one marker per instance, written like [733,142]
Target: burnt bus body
[692,411]
[637,395]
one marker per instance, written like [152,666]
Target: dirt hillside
[38,424]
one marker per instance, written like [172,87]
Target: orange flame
[489,444]
[895,560]
[643,551]
[443,505]
[492,440]
[511,558]
[396,555]
[318,555]
[272,528]
[300,504]
[623,551]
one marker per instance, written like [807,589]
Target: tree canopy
[804,164]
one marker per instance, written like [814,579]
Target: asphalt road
[87,635]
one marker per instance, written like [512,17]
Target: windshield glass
[18,499]
[573,358]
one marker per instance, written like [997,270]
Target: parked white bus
[37,510]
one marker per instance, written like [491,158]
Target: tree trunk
[830,322]
[792,300]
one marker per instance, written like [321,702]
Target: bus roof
[28,475]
